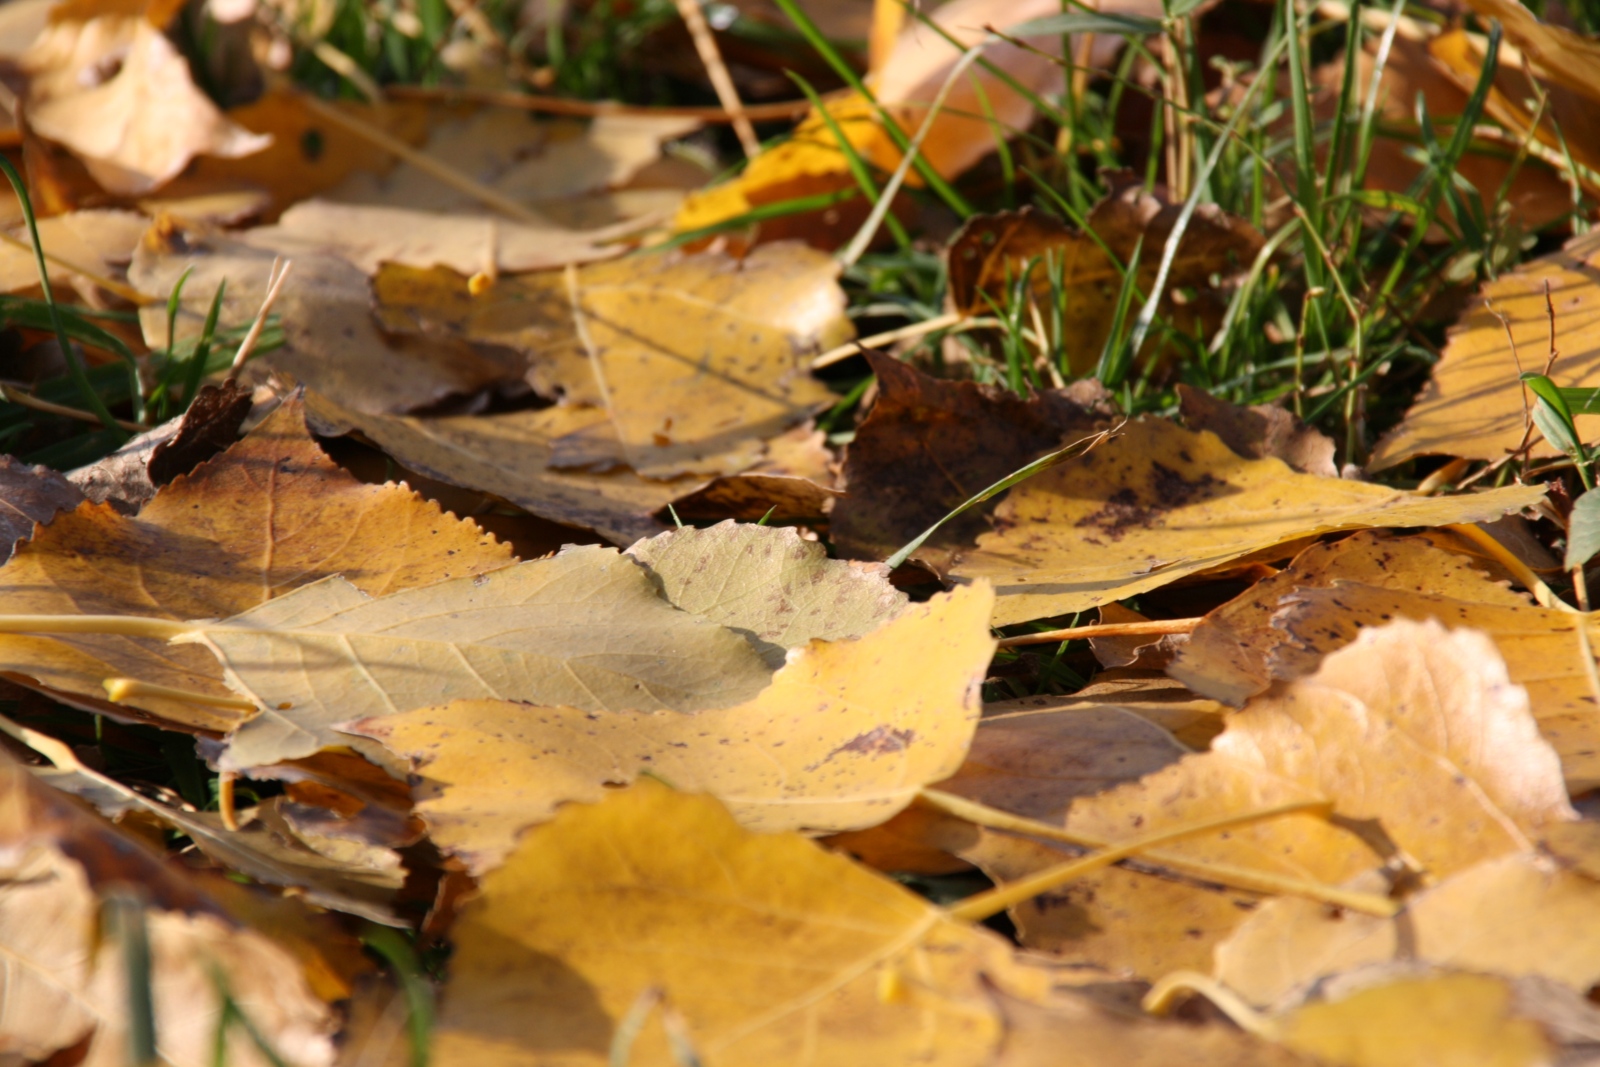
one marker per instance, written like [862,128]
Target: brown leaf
[268,515]
[30,495]
[929,444]
[99,240]
[1158,503]
[991,254]
[1140,653]
[1259,431]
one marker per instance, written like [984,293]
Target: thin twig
[1152,627]
[705,42]
[275,278]
[28,400]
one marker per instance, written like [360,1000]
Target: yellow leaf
[1159,503]
[773,951]
[1411,725]
[1473,405]
[843,738]
[584,627]
[1445,1020]
[118,94]
[1561,55]
[697,359]
[271,513]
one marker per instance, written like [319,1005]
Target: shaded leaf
[1583,530]
[1259,431]
[29,495]
[271,513]
[1159,503]
[928,445]
[843,738]
[769,584]
[584,628]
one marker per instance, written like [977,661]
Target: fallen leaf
[1432,1018]
[1159,503]
[1063,266]
[1259,431]
[130,476]
[65,979]
[929,444]
[271,513]
[1543,924]
[1413,726]
[772,950]
[330,342]
[584,628]
[1228,656]
[1473,405]
[100,241]
[769,584]
[1576,844]
[118,94]
[1133,651]
[721,366]
[29,495]
[1561,55]
[1191,718]
[843,738]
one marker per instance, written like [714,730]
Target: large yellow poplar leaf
[843,738]
[769,583]
[697,359]
[1159,503]
[1516,915]
[584,627]
[1412,726]
[269,514]
[1228,655]
[1473,405]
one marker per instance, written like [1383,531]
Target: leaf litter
[663,805]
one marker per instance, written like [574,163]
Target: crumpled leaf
[1411,725]
[927,445]
[330,341]
[1543,923]
[1159,502]
[271,513]
[1259,431]
[1473,403]
[509,455]
[769,584]
[696,359]
[992,254]
[64,977]
[1229,656]
[773,950]
[584,628]
[28,495]
[843,738]
[118,94]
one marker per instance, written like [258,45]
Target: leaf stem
[1153,627]
[113,625]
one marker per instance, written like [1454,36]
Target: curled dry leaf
[1159,503]
[65,979]
[271,513]
[722,367]
[1473,405]
[330,341]
[118,94]
[1229,655]
[1411,725]
[770,584]
[583,628]
[29,495]
[843,738]
[1062,266]
[928,445]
